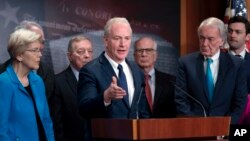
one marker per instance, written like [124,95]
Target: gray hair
[215,22]
[28,24]
[76,39]
[149,38]
[111,21]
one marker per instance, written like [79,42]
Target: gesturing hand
[113,91]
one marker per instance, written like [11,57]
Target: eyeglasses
[147,50]
[35,50]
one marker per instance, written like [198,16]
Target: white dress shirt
[214,66]
[128,74]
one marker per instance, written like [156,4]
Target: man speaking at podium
[111,86]
[216,80]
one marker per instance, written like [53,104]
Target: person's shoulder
[247,57]
[164,75]
[4,77]
[231,59]
[64,74]
[190,56]
[44,69]
[228,56]
[4,66]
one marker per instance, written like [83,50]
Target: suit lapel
[201,74]
[224,66]
[15,79]
[71,80]
[108,71]
[137,86]
[158,87]
[37,94]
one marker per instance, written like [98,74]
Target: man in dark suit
[221,86]
[161,84]
[68,124]
[44,71]
[111,86]
[238,35]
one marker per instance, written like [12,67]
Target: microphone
[139,99]
[194,99]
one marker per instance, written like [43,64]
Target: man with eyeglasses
[44,71]
[68,123]
[161,97]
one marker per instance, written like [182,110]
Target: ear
[19,58]
[248,37]
[105,40]
[69,56]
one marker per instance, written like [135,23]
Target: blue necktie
[209,80]
[122,82]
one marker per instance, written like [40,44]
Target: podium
[154,129]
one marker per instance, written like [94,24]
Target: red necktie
[148,92]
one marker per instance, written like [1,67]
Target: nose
[143,53]
[121,42]
[40,53]
[87,54]
[205,42]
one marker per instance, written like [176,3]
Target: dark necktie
[122,81]
[209,80]
[238,56]
[148,91]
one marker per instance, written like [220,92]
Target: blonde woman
[23,105]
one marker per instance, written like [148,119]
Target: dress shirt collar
[75,72]
[242,53]
[215,57]
[113,63]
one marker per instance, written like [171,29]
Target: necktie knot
[147,77]
[238,56]
[209,61]
[120,67]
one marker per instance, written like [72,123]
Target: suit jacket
[247,66]
[48,77]
[95,78]
[44,71]
[68,124]
[164,104]
[230,92]
[18,118]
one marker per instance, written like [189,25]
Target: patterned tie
[209,80]
[148,91]
[122,81]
